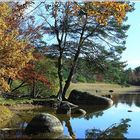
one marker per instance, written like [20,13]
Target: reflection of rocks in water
[23,117]
[128,99]
[94,111]
[113,131]
[15,133]
[12,133]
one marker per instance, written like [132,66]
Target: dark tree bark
[60,76]
[33,92]
[21,85]
[67,84]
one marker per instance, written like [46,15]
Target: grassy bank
[103,88]
[94,88]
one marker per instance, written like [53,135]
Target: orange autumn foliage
[30,75]
[14,53]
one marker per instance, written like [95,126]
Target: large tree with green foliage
[91,29]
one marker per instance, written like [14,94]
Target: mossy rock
[5,116]
[44,126]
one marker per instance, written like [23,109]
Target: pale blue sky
[132,52]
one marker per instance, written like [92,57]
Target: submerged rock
[85,98]
[44,125]
[78,113]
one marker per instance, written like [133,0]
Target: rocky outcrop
[85,98]
[44,125]
[73,106]
[65,107]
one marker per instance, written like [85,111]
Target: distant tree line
[133,76]
[88,71]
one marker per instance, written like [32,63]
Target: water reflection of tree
[90,115]
[114,131]
[96,111]
[70,130]
[65,119]
[128,99]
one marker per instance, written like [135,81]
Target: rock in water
[44,125]
[79,112]
[64,108]
[85,98]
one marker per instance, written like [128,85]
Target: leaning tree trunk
[67,84]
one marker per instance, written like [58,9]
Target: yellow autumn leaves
[14,53]
[101,11]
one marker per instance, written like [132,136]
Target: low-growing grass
[94,88]
[7,102]
[103,88]
[15,101]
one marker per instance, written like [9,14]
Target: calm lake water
[120,120]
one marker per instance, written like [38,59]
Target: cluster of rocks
[45,125]
[75,100]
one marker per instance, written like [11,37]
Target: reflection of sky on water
[94,119]
[109,117]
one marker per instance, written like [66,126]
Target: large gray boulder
[85,98]
[44,125]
